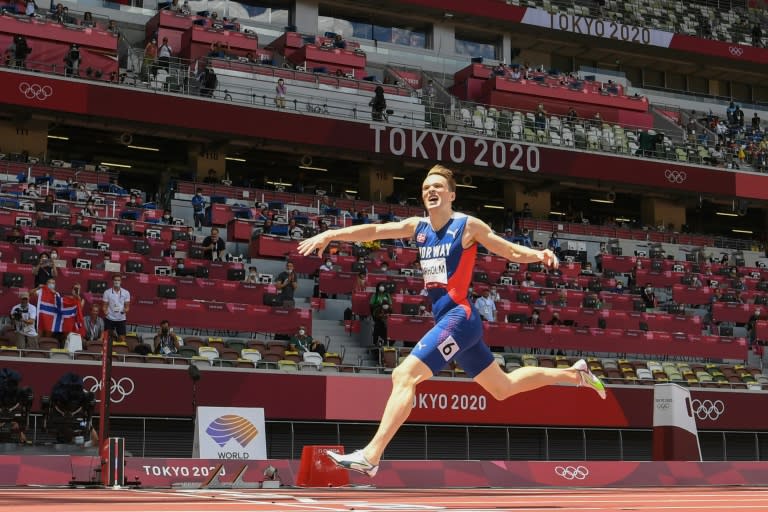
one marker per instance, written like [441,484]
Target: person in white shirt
[24,316]
[164,54]
[117,303]
[495,297]
[486,307]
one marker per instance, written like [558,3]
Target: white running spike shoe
[354,461]
[588,379]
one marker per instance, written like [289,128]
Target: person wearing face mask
[287,284]
[198,209]
[535,318]
[648,296]
[252,277]
[170,252]
[380,296]
[167,218]
[117,303]
[166,343]
[423,311]
[302,342]
[327,266]
[361,283]
[384,268]
[44,270]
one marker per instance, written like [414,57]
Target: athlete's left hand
[549,259]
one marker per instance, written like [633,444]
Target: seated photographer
[166,343]
[24,316]
[14,407]
[69,411]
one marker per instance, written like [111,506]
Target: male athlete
[447,243]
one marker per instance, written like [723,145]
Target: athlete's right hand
[316,243]
[549,259]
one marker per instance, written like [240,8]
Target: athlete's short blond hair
[446,173]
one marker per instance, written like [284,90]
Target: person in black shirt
[44,270]
[213,246]
[287,284]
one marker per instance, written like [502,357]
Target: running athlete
[447,243]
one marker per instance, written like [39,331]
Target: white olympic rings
[674,176]
[571,472]
[118,390]
[707,409]
[35,91]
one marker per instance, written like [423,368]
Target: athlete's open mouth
[432,199]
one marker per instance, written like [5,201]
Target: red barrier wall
[59,470]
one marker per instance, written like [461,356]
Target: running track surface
[672,499]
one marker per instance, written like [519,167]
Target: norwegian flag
[58,314]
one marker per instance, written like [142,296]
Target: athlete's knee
[409,373]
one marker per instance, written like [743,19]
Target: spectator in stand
[31,191]
[112,27]
[380,297]
[515,74]
[526,213]
[175,6]
[46,206]
[252,277]
[24,317]
[15,236]
[44,270]
[90,208]
[170,252]
[302,342]
[486,306]
[540,117]
[535,318]
[757,35]
[218,51]
[295,232]
[30,8]
[198,209]
[361,283]
[208,82]
[117,304]
[648,296]
[94,325]
[212,178]
[423,311]
[554,244]
[429,94]
[166,343]
[755,123]
[66,17]
[148,63]
[88,20]
[378,104]
[164,55]
[562,299]
[380,315]
[597,121]
[214,246]
[339,42]
[266,228]
[528,282]
[78,296]
[555,320]
[500,69]
[287,282]
[280,91]
[572,116]
[494,294]
[167,219]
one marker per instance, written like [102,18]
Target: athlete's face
[435,193]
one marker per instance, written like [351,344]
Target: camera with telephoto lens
[68,411]
[15,405]
[18,314]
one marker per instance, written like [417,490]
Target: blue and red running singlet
[447,268]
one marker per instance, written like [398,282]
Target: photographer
[17,52]
[72,61]
[44,270]
[287,284]
[166,343]
[24,316]
[14,407]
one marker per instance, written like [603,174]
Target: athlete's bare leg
[503,385]
[404,379]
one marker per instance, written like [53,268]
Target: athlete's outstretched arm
[483,234]
[361,233]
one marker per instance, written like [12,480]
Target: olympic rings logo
[736,51]
[572,473]
[674,176]
[118,391]
[707,409]
[35,91]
